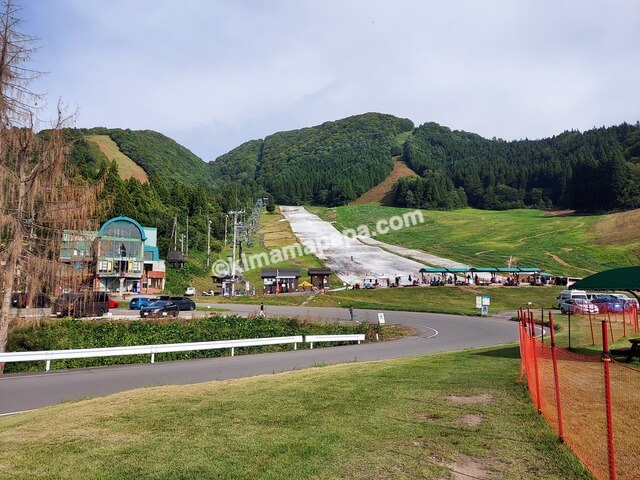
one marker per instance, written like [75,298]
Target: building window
[105,266]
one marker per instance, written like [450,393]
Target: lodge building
[121,257]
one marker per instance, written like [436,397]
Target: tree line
[593,171]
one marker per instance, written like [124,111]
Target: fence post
[556,379]
[535,366]
[607,393]
[593,338]
[542,323]
[610,327]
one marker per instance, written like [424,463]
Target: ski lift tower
[243,231]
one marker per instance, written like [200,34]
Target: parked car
[567,294]
[113,303]
[183,303]
[160,308]
[136,303]
[21,300]
[626,300]
[89,304]
[578,306]
[608,303]
[190,291]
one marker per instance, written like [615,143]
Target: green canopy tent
[433,270]
[626,278]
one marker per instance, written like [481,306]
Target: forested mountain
[598,170]
[334,163]
[330,164]
[180,183]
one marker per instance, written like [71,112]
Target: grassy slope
[370,421]
[571,245]
[127,168]
[381,193]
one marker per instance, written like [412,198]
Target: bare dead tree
[40,196]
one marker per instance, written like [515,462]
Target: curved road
[433,333]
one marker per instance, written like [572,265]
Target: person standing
[262,309]
[351,313]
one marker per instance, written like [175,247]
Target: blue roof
[122,219]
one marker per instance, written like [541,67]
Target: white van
[567,294]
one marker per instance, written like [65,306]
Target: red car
[113,303]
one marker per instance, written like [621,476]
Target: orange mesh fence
[599,422]
[625,396]
[582,330]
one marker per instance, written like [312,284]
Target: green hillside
[594,171]
[329,164]
[570,245]
[336,162]
[127,168]
[179,183]
[162,158]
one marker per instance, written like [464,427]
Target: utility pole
[226,217]
[208,240]
[174,233]
[187,250]
[236,214]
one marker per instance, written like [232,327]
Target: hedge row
[76,333]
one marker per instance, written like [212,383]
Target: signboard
[380,318]
[482,303]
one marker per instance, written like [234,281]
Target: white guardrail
[49,355]
[356,337]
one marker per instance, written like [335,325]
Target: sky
[214,74]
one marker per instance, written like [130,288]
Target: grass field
[127,168]
[568,245]
[423,417]
[458,300]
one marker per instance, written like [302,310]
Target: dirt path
[382,192]
[566,264]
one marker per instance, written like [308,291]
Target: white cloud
[214,74]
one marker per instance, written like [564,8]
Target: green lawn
[568,245]
[412,418]
[459,300]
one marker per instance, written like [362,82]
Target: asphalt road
[433,333]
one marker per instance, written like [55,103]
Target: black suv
[183,303]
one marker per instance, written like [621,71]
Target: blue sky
[214,74]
